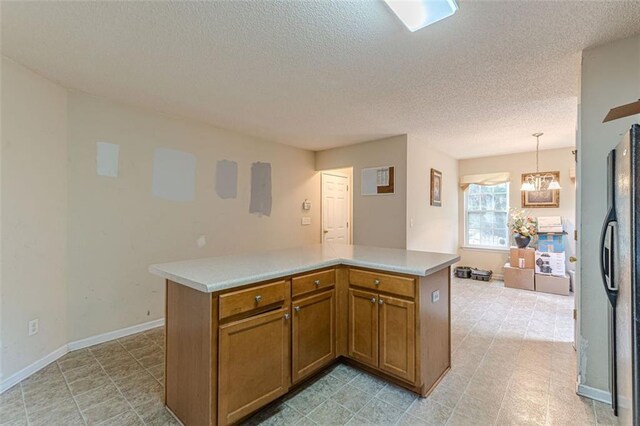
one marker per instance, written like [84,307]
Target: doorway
[336,206]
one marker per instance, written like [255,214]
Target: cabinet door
[253,366]
[314,340]
[397,337]
[363,326]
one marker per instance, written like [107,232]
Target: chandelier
[539,181]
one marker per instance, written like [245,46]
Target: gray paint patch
[107,159]
[260,189]
[227,179]
[174,175]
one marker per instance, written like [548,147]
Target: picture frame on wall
[548,198]
[436,188]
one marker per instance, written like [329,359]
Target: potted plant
[523,227]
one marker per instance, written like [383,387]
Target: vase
[522,241]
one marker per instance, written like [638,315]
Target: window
[487,216]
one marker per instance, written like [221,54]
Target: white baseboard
[72,346]
[112,335]
[33,368]
[594,393]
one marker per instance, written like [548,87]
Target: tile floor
[115,383]
[513,364]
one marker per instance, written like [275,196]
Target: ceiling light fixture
[538,181]
[416,14]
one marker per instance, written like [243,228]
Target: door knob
[573,259]
[325,231]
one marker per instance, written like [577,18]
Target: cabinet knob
[258,299]
[380,301]
[287,316]
[373,300]
[297,309]
[317,282]
[376,282]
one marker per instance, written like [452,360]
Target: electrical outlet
[33,327]
[435,296]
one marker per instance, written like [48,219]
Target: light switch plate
[435,296]
[306,220]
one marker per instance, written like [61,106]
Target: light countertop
[213,274]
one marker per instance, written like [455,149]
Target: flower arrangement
[523,224]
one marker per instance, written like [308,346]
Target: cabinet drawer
[314,281]
[392,284]
[252,298]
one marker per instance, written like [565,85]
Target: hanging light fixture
[539,181]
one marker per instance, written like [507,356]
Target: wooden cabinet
[233,352]
[382,333]
[314,333]
[363,326]
[253,365]
[397,337]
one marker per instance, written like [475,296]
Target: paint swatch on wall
[260,203]
[107,159]
[227,179]
[174,175]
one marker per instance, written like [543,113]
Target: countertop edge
[229,284]
[442,266]
[180,280]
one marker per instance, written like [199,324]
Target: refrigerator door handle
[609,245]
[607,239]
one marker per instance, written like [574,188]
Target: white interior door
[335,208]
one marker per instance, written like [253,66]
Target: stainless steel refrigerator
[620,266]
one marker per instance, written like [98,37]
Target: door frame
[346,172]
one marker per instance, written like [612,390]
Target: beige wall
[431,228]
[34,216]
[76,246]
[610,77]
[117,228]
[516,164]
[378,220]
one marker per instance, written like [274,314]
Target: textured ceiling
[323,74]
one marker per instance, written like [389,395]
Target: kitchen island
[243,330]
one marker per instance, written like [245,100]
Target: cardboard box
[518,278]
[551,243]
[550,264]
[528,256]
[551,284]
[550,224]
